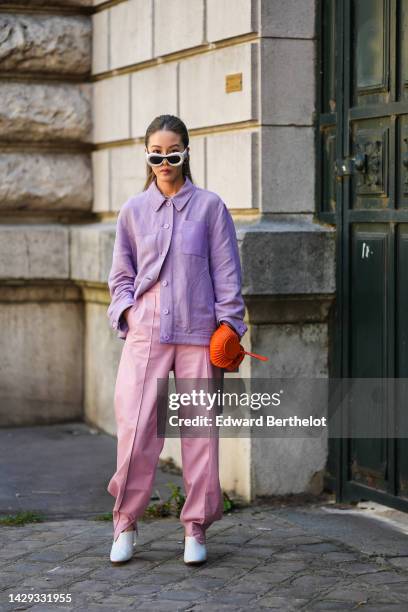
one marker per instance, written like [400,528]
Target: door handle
[349,165]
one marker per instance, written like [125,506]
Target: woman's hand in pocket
[126,314]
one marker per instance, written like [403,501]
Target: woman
[175,276]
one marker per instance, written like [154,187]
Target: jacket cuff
[117,321]
[238,325]
[122,325]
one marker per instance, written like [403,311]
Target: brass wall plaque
[233,82]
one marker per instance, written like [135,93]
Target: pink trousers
[143,361]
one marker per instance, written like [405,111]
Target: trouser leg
[143,361]
[200,455]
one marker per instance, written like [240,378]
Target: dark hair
[172,124]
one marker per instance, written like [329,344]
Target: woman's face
[164,142]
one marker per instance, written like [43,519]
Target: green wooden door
[364,191]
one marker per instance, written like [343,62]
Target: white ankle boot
[122,548]
[194,552]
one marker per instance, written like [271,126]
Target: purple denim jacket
[188,241]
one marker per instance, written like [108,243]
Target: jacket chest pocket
[194,238]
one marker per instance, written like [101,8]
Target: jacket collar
[181,198]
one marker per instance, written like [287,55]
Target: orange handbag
[226,350]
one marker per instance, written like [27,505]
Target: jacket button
[164,283]
[166,225]
[167,336]
[166,311]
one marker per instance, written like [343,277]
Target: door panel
[402,162]
[403,36]
[368,301]
[370,146]
[367,344]
[370,49]
[401,358]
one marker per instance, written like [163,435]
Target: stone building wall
[45,185]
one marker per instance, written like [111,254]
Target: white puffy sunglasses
[176,158]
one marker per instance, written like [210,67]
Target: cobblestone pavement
[318,557]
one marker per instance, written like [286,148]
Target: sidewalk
[278,556]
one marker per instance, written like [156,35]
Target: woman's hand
[231,326]
[125,314]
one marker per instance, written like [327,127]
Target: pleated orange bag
[226,350]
